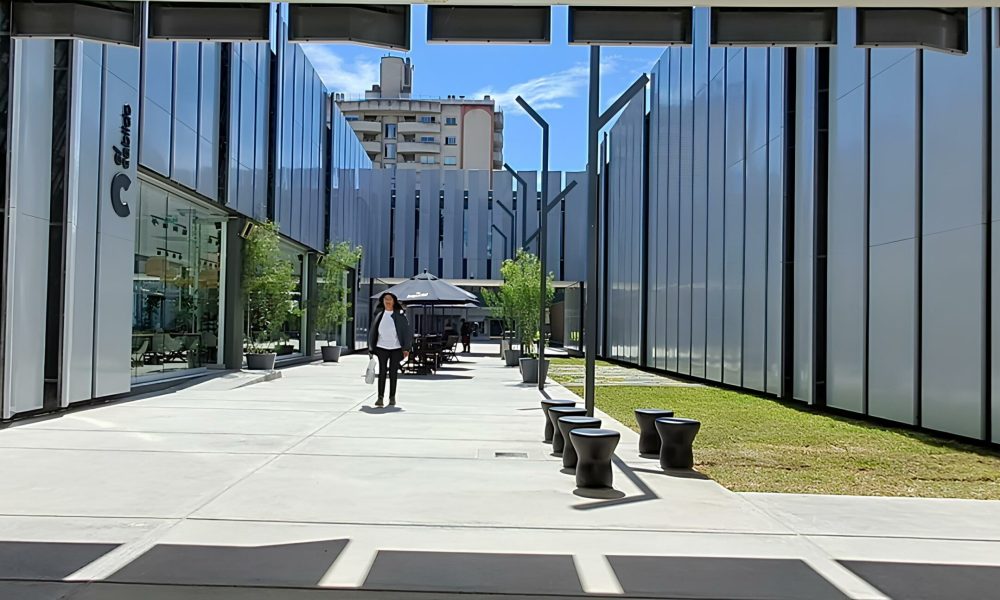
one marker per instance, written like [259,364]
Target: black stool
[546,405]
[676,437]
[594,448]
[558,441]
[649,439]
[567,424]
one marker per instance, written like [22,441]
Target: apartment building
[402,132]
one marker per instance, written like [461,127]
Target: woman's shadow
[380,410]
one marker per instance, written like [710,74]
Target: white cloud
[542,93]
[352,78]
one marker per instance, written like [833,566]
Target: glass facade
[175,283]
[291,342]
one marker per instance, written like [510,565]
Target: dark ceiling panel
[774,26]
[945,29]
[489,24]
[109,22]
[380,25]
[630,26]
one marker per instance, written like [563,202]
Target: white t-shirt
[387,337]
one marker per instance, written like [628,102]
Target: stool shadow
[567,471]
[646,493]
[677,473]
[646,454]
[609,494]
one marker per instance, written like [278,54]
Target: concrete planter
[331,353]
[512,357]
[529,370]
[261,362]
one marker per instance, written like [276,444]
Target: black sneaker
[392,402]
[378,403]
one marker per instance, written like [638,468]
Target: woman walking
[389,338]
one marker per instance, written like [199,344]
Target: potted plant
[268,285]
[332,306]
[520,298]
[502,304]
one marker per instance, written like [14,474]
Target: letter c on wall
[120,183]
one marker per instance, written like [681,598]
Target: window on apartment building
[454,121]
[390,132]
[453,161]
[428,160]
[426,119]
[357,118]
[429,139]
[453,141]
[390,152]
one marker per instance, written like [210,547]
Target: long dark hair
[396,306]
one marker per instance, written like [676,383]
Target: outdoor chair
[546,405]
[567,424]
[449,349]
[594,449]
[649,438]
[676,438]
[138,354]
[558,441]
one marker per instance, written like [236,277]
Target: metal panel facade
[847,222]
[954,200]
[685,221]
[428,242]
[755,222]
[403,234]
[575,232]
[716,214]
[453,231]
[477,224]
[28,224]
[805,196]
[115,233]
[734,214]
[699,217]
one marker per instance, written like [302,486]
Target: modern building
[402,132]
[819,226]
[129,175]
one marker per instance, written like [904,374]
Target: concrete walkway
[298,488]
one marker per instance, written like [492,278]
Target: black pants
[388,364]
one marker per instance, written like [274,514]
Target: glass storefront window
[175,286]
[291,341]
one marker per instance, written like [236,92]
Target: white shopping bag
[370,373]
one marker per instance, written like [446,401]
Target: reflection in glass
[175,286]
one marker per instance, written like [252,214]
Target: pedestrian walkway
[299,488]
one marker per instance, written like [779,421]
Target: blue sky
[552,78]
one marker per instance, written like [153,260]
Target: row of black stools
[584,446]
[660,433]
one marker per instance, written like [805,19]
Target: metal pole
[542,236]
[521,185]
[593,215]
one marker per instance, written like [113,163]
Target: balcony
[497,140]
[370,147]
[498,159]
[411,127]
[498,121]
[418,148]
[366,126]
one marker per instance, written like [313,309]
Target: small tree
[518,299]
[332,305]
[268,285]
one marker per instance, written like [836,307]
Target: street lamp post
[595,122]
[543,225]
[522,185]
[513,225]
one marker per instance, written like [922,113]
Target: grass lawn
[752,444]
